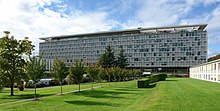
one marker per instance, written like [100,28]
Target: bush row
[157,77]
[143,83]
[151,79]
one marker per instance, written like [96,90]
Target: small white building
[209,71]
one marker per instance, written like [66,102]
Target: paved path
[19,101]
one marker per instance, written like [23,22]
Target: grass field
[175,94]
[41,92]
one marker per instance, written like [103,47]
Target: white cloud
[160,12]
[31,18]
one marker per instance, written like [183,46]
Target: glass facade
[143,49]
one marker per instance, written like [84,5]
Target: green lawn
[41,92]
[175,94]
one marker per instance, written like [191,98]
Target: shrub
[143,83]
[158,77]
[29,85]
[54,83]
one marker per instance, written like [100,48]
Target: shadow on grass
[102,94]
[89,103]
[25,96]
[126,89]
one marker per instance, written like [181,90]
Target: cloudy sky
[43,18]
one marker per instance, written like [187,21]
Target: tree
[77,71]
[60,71]
[108,58]
[92,72]
[11,58]
[101,74]
[122,61]
[110,74]
[35,70]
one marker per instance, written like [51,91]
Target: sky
[45,18]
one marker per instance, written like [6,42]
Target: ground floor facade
[209,71]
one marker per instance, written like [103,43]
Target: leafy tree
[60,71]
[101,74]
[107,59]
[118,73]
[35,70]
[92,72]
[123,74]
[122,61]
[110,74]
[11,58]
[77,71]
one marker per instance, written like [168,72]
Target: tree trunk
[109,81]
[61,89]
[101,83]
[35,91]
[12,89]
[92,83]
[79,86]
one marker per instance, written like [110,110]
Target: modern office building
[171,48]
[209,71]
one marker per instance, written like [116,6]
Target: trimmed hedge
[143,83]
[157,77]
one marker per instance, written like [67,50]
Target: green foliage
[35,69]
[107,59]
[92,71]
[11,58]
[122,61]
[60,71]
[110,73]
[101,74]
[143,83]
[157,77]
[77,71]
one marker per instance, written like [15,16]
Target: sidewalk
[24,100]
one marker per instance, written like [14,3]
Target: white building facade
[209,71]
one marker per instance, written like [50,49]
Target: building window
[195,58]
[135,59]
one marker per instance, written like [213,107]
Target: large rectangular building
[172,48]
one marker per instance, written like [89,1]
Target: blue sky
[43,18]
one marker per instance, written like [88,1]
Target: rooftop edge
[201,27]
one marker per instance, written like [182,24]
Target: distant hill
[214,58]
